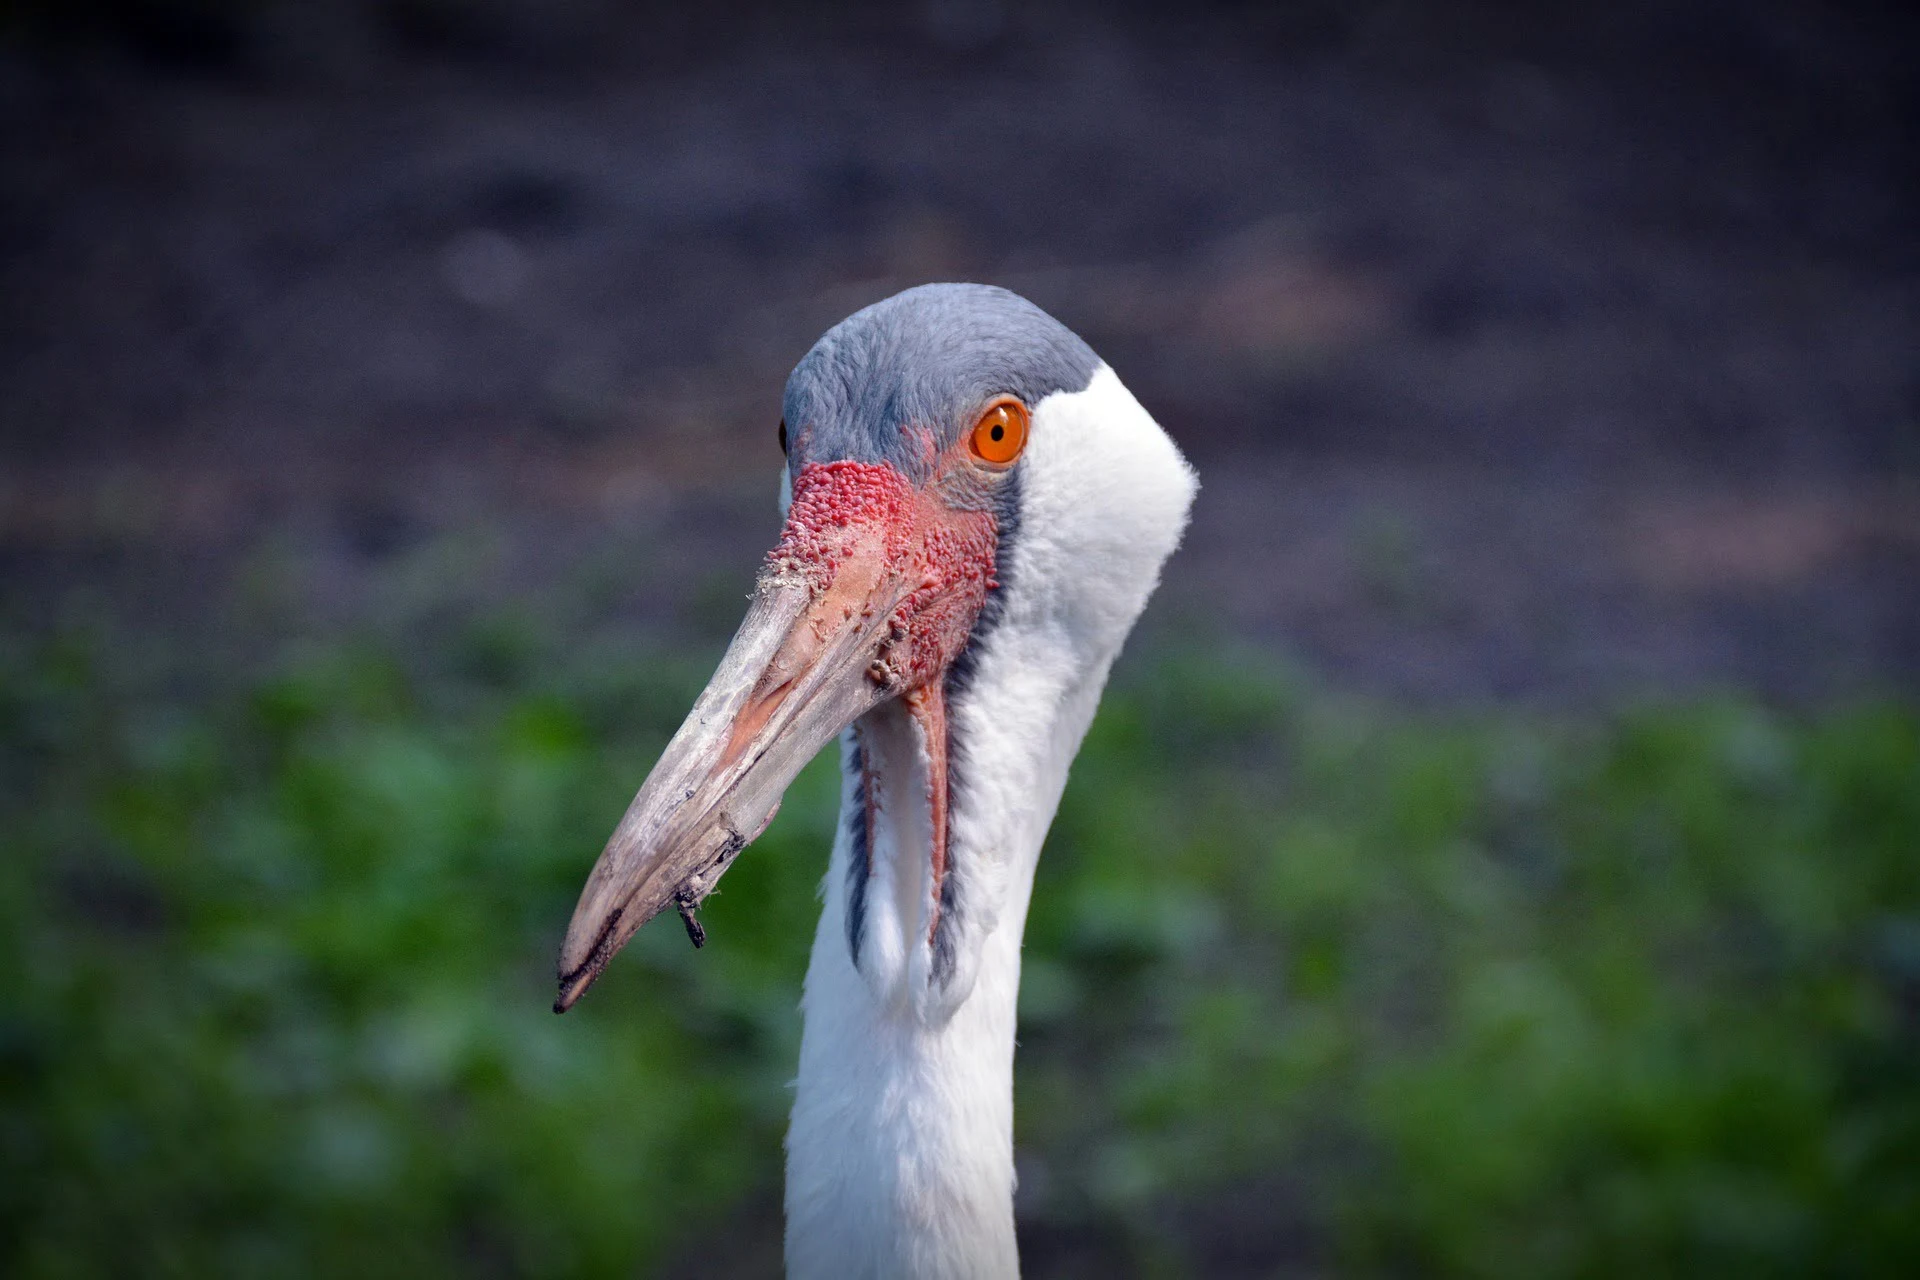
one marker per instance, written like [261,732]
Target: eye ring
[1000,436]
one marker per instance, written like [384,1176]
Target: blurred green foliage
[1478,993]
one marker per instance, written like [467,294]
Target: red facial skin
[940,561]
[863,528]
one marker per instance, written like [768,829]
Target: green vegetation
[1475,993]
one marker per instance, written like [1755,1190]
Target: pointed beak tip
[575,978]
[573,986]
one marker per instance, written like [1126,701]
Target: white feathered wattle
[900,1152]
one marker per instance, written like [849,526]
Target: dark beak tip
[574,985]
[575,981]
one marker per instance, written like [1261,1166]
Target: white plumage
[900,1155]
[900,1151]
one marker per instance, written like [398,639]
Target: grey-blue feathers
[930,358]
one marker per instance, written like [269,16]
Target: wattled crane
[976,511]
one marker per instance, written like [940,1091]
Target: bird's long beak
[843,617]
[794,677]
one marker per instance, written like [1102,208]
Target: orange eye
[1001,432]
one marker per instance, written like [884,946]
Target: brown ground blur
[1561,357]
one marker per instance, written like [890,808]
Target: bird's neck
[900,1153]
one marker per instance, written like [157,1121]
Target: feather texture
[900,1150]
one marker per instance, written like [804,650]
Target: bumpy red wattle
[942,558]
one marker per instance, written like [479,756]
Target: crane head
[906,430]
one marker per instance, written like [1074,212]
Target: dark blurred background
[1499,853]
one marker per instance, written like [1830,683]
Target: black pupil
[998,432]
[783,435]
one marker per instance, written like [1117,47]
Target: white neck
[900,1153]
